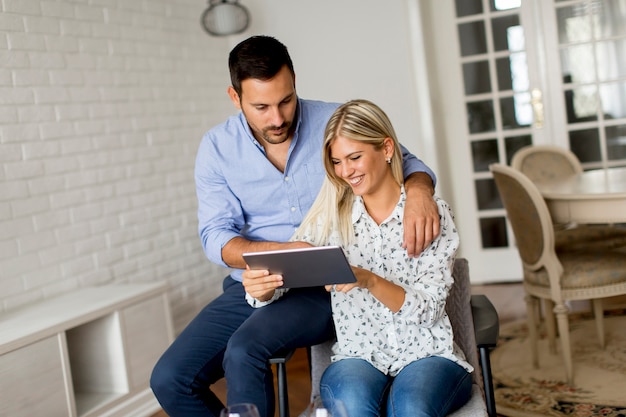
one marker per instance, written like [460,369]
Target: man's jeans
[230,338]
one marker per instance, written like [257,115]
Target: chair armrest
[486,322]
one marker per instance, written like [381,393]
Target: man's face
[269,106]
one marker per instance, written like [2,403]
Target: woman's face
[361,165]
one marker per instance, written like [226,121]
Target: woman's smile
[355,180]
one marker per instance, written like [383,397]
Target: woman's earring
[388,160]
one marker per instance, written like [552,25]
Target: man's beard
[277,140]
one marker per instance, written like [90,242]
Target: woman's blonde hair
[359,120]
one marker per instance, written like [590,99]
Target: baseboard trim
[142,404]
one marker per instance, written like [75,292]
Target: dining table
[594,196]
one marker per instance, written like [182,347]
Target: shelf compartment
[98,368]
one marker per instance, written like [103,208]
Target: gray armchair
[476,328]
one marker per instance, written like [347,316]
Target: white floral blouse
[366,328]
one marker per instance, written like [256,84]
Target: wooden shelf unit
[86,353]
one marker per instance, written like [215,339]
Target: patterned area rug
[600,375]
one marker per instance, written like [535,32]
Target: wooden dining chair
[546,162]
[591,272]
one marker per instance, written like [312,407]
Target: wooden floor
[508,300]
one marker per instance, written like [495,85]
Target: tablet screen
[305,267]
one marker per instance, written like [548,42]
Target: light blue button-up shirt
[240,192]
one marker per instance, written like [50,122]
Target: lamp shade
[225,17]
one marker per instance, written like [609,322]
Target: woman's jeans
[432,386]
[230,338]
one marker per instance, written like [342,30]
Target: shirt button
[286,178]
[293,209]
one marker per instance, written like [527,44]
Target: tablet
[305,267]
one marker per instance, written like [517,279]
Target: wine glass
[330,408]
[240,410]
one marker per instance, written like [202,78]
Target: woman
[395,354]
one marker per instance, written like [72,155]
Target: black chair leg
[485,364]
[280,360]
[283,397]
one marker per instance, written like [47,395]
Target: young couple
[400,269]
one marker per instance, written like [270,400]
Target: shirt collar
[297,119]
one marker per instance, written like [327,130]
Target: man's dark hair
[258,57]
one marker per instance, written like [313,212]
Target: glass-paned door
[511,73]
[497,98]
[589,40]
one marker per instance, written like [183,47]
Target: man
[256,175]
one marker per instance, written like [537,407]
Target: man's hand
[260,284]
[421,216]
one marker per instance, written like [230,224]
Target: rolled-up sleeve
[426,296]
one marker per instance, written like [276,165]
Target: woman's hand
[260,284]
[364,279]
[388,293]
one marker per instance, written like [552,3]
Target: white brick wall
[102,106]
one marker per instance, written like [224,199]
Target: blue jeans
[230,338]
[432,386]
